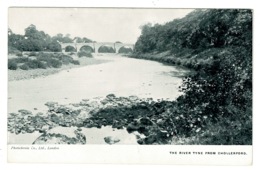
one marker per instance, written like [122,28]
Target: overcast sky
[99,24]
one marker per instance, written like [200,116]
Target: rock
[111,140]
[140,141]
[150,139]
[50,138]
[25,112]
[145,122]
[30,129]
[12,115]
[131,128]
[54,118]
[159,122]
[51,104]
[111,96]
[39,114]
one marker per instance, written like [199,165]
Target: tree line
[35,40]
[200,29]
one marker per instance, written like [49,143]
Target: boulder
[25,112]
[52,138]
[111,140]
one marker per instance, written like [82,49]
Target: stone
[145,121]
[131,128]
[51,104]
[150,139]
[159,122]
[111,140]
[140,141]
[50,138]
[25,112]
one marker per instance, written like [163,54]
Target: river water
[121,76]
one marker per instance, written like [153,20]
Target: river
[121,76]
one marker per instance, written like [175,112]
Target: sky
[98,24]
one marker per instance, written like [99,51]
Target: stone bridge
[95,46]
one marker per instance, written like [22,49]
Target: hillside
[217,43]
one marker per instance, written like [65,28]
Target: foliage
[212,28]
[41,60]
[24,66]
[76,62]
[12,65]
[70,49]
[125,50]
[87,49]
[216,107]
[56,63]
[33,64]
[84,54]
[106,49]
[32,54]
[36,40]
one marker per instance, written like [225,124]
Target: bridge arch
[125,49]
[70,48]
[106,49]
[87,48]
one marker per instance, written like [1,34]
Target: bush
[55,63]
[21,59]
[20,54]
[76,62]
[12,65]
[106,49]
[24,67]
[66,59]
[36,64]
[84,54]
[13,50]
[125,50]
[32,54]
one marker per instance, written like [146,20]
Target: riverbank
[19,74]
[187,58]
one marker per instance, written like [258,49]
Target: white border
[120,3]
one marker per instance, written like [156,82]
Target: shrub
[106,49]
[76,62]
[36,64]
[125,50]
[84,54]
[20,54]
[21,59]
[13,50]
[32,54]
[66,59]
[55,63]
[24,67]
[12,65]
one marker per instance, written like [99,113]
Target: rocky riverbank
[130,113]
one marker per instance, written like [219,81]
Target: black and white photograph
[129,76]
